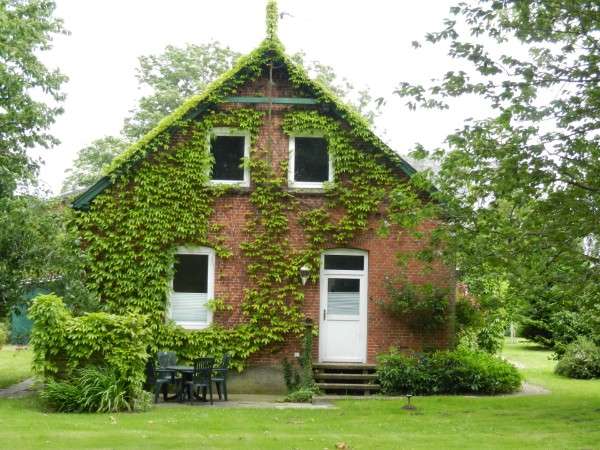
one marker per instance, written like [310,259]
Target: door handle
[325,314]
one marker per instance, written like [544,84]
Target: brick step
[345,366]
[348,387]
[345,376]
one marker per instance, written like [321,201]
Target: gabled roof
[222,90]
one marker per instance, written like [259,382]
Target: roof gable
[222,90]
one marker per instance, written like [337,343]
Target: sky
[369,43]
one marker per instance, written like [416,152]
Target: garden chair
[159,379]
[201,378]
[220,376]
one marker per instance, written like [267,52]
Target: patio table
[186,375]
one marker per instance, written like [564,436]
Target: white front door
[343,324]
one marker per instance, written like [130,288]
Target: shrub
[302,395]
[93,389]
[423,307]
[446,372]
[3,334]
[299,380]
[403,374]
[63,344]
[467,313]
[580,360]
[473,372]
[68,352]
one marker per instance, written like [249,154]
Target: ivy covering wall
[160,199]
[132,230]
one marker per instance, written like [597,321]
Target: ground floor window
[192,287]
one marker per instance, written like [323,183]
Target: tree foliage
[521,187]
[29,91]
[36,247]
[170,78]
[90,162]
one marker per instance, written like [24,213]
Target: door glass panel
[343,296]
[344,262]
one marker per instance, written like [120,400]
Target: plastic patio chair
[159,380]
[201,378]
[158,377]
[220,376]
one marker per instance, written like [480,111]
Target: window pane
[311,161]
[344,262]
[343,296]
[191,273]
[228,152]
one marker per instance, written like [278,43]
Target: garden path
[17,390]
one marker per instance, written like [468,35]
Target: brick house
[343,290]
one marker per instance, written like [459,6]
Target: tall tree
[29,103]
[171,77]
[90,162]
[522,187]
[29,91]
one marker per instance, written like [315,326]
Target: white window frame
[292,160]
[210,286]
[225,131]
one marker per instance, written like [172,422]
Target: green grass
[569,418]
[15,365]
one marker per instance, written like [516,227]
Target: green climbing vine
[133,229]
[160,198]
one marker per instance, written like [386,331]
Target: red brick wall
[232,211]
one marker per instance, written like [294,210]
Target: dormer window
[310,164]
[229,148]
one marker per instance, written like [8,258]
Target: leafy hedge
[446,372]
[3,334]
[580,360]
[64,347]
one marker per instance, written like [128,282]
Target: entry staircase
[345,378]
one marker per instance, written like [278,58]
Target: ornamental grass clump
[446,372]
[94,389]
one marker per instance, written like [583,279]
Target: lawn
[15,365]
[567,418]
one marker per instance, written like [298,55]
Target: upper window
[229,148]
[192,287]
[310,164]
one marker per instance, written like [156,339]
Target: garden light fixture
[304,274]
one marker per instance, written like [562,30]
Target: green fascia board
[273,100]
[83,201]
